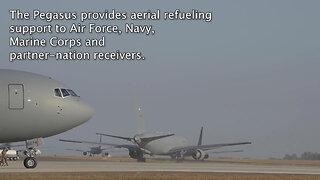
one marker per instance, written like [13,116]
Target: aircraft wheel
[30,162]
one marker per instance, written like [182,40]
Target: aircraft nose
[79,112]
[76,111]
[85,112]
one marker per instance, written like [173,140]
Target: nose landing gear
[30,162]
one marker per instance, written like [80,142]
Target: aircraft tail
[200,137]
[140,121]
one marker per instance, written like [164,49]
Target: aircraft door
[16,96]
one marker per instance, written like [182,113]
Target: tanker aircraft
[34,106]
[160,144]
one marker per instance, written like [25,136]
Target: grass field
[152,176]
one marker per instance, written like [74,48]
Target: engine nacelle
[135,154]
[200,155]
[137,140]
[206,156]
[84,153]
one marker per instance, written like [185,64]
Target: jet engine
[84,153]
[200,155]
[135,154]
[137,140]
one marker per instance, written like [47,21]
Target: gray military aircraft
[11,145]
[161,144]
[34,107]
[95,150]
[169,145]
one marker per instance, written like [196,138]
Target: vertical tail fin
[100,140]
[200,137]
[140,122]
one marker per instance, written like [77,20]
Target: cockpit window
[57,92]
[72,92]
[65,93]
[60,92]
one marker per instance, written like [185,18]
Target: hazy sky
[252,74]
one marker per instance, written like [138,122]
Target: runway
[192,167]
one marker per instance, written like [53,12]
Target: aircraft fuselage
[30,109]
[164,145]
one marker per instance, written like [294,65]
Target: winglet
[200,137]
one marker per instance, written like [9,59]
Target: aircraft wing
[220,152]
[152,138]
[127,146]
[141,141]
[205,147]
[120,137]
[75,150]
[87,142]
[10,145]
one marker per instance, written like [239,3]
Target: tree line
[303,156]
